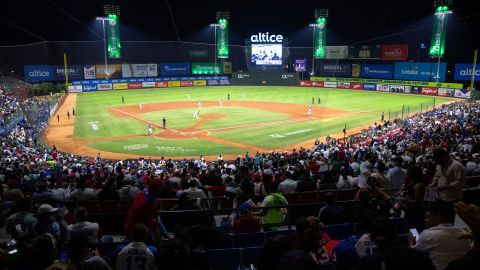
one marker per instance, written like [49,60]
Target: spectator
[332,213]
[137,255]
[82,193]
[366,170]
[273,199]
[288,185]
[246,222]
[107,192]
[128,191]
[396,175]
[272,251]
[84,228]
[441,240]
[20,225]
[409,259]
[345,181]
[413,199]
[47,216]
[194,191]
[80,257]
[185,203]
[364,204]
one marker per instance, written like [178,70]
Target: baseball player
[199,104]
[309,112]
[141,106]
[164,121]
[150,130]
[221,103]
[196,115]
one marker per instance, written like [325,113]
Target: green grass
[362,107]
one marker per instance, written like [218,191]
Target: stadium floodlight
[320,13]
[437,44]
[319,34]
[103,19]
[222,15]
[111,9]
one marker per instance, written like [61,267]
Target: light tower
[319,35]
[439,31]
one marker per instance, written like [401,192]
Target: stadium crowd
[428,153]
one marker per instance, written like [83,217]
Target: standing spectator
[413,199]
[345,181]
[61,193]
[396,175]
[273,215]
[366,170]
[46,215]
[20,224]
[185,203]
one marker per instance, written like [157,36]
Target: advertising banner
[407,89]
[113,71]
[213,82]
[75,88]
[300,65]
[152,70]
[383,87]
[134,85]
[174,69]
[429,91]
[161,84]
[199,83]
[344,85]
[225,82]
[439,31]
[148,84]
[448,92]
[227,67]
[392,52]
[89,72]
[206,68]
[104,86]
[338,70]
[419,71]
[307,83]
[126,71]
[317,84]
[371,87]
[336,52]
[356,70]
[364,52]
[356,86]
[198,53]
[222,38]
[113,36]
[463,72]
[186,83]
[462,93]
[330,84]
[397,88]
[75,72]
[38,73]
[400,82]
[173,84]
[119,86]
[320,38]
[376,71]
[89,88]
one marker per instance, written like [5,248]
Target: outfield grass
[362,108]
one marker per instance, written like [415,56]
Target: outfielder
[309,112]
[196,114]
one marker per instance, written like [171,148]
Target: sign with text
[420,71]
[463,72]
[335,69]
[394,52]
[174,69]
[364,52]
[336,52]
[38,73]
[376,71]
[300,65]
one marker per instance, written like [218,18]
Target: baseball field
[257,118]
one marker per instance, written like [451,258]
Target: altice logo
[39,73]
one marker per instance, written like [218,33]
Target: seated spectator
[12,192]
[332,213]
[364,204]
[413,197]
[345,181]
[306,184]
[78,252]
[185,203]
[309,239]
[272,251]
[137,255]
[273,215]
[288,185]
[20,225]
[396,175]
[128,191]
[47,216]
[84,228]
[365,246]
[194,191]
[381,174]
[246,222]
[107,192]
[61,192]
[82,193]
[441,240]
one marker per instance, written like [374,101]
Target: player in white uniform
[221,103]
[199,104]
[141,106]
[150,130]
[309,112]
[136,255]
[196,114]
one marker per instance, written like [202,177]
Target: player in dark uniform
[164,123]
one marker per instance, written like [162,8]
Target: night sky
[350,22]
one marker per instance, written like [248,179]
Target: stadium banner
[332,69]
[38,73]
[213,82]
[463,72]
[462,93]
[222,38]
[343,85]
[300,65]
[397,88]
[398,52]
[113,71]
[225,82]
[265,77]
[198,53]
[104,86]
[376,71]
[186,83]
[439,31]
[430,91]
[89,88]
[407,89]
[75,88]
[419,71]
[227,67]
[336,52]
[401,82]
[330,84]
[174,69]
[161,84]
[448,92]
[134,85]
[120,86]
[113,36]
[356,70]
[173,83]
[89,72]
[199,83]
[364,52]
[75,72]
[383,87]
[356,86]
[320,38]
[140,70]
[148,84]
[371,87]
[126,71]
[317,84]
[206,68]
[307,83]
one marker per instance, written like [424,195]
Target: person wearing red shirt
[246,222]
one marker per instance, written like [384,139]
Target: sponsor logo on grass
[290,133]
[135,146]
[175,149]
[94,125]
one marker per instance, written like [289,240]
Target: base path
[60,133]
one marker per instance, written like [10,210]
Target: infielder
[221,103]
[199,104]
[141,106]
[196,115]
[150,130]
[309,112]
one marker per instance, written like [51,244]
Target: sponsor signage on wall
[120,86]
[148,84]
[462,93]
[38,73]
[330,84]
[88,88]
[174,69]
[173,84]
[134,85]
[335,69]
[336,52]
[317,84]
[418,71]
[307,83]
[364,52]
[356,86]
[397,88]
[186,83]
[344,85]
[429,91]
[212,82]
[74,72]
[199,83]
[161,84]
[376,71]
[300,65]
[383,87]
[368,86]
[112,71]
[89,72]
[225,82]
[104,86]
[463,72]
[397,52]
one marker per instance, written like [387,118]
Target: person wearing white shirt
[288,185]
[84,228]
[441,240]
[194,192]
[137,255]
[396,175]
[365,170]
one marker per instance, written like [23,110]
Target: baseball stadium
[216,135]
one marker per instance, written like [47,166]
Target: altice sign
[266,37]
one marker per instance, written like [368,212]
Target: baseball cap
[46,208]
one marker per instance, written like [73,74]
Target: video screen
[267,54]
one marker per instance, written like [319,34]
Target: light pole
[103,19]
[320,16]
[442,9]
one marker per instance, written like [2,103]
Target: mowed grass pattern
[362,107]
